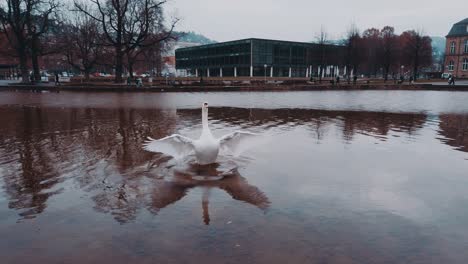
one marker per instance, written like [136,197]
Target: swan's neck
[206,129]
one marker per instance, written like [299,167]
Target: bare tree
[157,34]
[322,41]
[13,17]
[25,22]
[39,20]
[83,45]
[126,24]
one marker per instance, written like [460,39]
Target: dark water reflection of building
[454,131]
[100,149]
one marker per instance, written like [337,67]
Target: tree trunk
[118,63]
[24,67]
[386,70]
[35,60]
[86,74]
[130,68]
[320,74]
[416,67]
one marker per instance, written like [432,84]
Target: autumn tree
[389,50]
[354,49]
[372,45]
[416,50]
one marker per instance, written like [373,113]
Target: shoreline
[244,88]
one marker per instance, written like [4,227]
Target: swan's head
[205,106]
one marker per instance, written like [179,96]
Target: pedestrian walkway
[457,82]
[41,84]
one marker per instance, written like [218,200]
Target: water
[346,177]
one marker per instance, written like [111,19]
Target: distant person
[337,79]
[411,80]
[355,79]
[57,79]
[402,79]
[451,80]
[129,80]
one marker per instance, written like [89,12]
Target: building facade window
[452,47]
[465,64]
[451,65]
[466,45]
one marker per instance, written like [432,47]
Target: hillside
[192,37]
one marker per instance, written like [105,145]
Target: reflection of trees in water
[94,147]
[379,124]
[454,129]
[29,180]
[39,147]
[100,147]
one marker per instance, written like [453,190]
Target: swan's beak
[205,105]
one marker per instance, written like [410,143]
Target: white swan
[206,148]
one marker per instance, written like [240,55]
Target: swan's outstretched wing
[175,145]
[238,141]
[241,190]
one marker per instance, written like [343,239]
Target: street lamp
[265,68]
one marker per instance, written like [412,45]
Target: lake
[341,177]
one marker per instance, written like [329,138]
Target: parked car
[445,75]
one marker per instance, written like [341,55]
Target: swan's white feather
[206,148]
[175,145]
[237,142]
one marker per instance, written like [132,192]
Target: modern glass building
[261,57]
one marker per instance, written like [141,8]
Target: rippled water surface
[342,177]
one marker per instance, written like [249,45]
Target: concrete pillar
[345,70]
[235,71]
[220,72]
[208,72]
[251,71]
[290,72]
[307,73]
[310,71]
[196,72]
[271,72]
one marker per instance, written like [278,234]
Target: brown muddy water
[345,177]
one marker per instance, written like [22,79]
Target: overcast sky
[300,20]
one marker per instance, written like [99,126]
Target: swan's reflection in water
[163,183]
